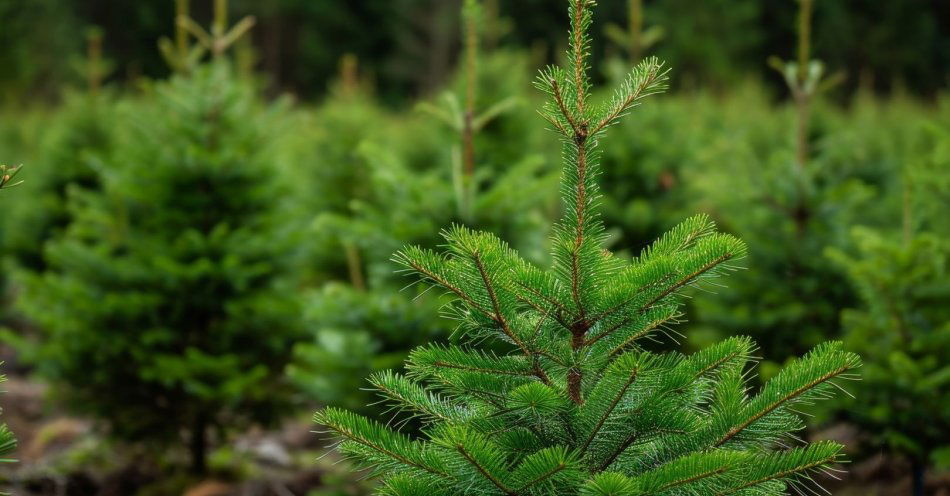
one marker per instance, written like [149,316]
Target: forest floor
[60,455]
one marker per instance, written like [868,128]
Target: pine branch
[479,453]
[539,468]
[374,436]
[612,387]
[431,266]
[410,396]
[782,465]
[800,381]
[648,78]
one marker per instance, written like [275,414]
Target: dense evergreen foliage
[359,322]
[904,332]
[574,404]
[161,307]
[902,327]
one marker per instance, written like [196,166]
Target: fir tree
[575,405]
[903,327]
[903,331]
[66,159]
[162,309]
[801,197]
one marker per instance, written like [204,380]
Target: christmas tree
[163,309]
[565,400]
[902,327]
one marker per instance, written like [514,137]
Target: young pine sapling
[575,406]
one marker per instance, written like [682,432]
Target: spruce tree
[903,331]
[566,400]
[162,310]
[902,327]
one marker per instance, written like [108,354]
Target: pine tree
[162,309]
[800,196]
[66,158]
[571,403]
[903,326]
[903,331]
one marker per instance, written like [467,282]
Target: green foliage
[903,331]
[66,161]
[161,308]
[385,179]
[365,191]
[903,324]
[357,332]
[570,403]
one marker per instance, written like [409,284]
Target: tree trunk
[917,469]
[199,445]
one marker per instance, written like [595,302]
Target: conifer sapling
[565,401]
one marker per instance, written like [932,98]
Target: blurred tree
[903,332]
[903,326]
[408,45]
[68,155]
[36,38]
[716,43]
[790,301]
[634,40]
[161,308]
[383,181]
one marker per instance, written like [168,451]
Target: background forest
[199,255]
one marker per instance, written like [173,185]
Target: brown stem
[579,73]
[181,34]
[355,266]
[468,131]
[199,445]
[804,39]
[636,30]
[94,54]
